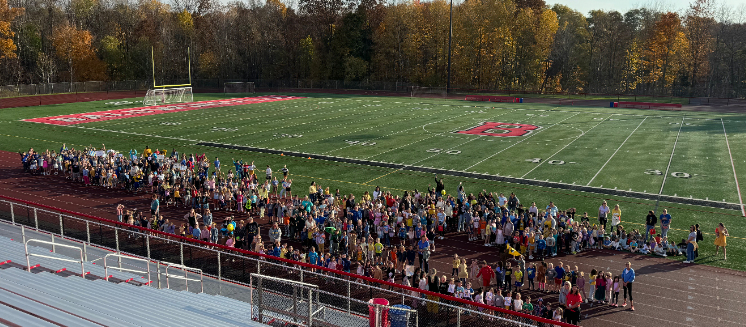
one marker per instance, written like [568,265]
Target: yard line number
[438,150]
[677,174]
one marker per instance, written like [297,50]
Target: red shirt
[573,299]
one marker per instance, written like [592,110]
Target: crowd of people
[381,235]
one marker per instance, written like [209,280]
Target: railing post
[348,297]
[258,266]
[88,231]
[181,252]
[54,248]
[116,241]
[36,219]
[295,303]
[62,228]
[23,234]
[260,299]
[458,317]
[301,275]
[310,307]
[147,245]
[12,214]
[219,267]
[158,272]
[377,322]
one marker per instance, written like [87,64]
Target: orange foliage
[74,46]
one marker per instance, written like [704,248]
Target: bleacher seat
[14,251]
[76,302]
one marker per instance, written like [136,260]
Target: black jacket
[651,220]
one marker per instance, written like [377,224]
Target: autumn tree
[7,15]
[74,47]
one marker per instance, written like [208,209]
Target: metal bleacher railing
[340,291]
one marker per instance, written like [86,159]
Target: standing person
[252,230]
[424,247]
[691,245]
[154,206]
[486,273]
[665,219]
[720,237]
[616,216]
[628,276]
[573,301]
[650,222]
[603,210]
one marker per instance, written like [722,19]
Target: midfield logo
[500,129]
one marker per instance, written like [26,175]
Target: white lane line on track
[617,150]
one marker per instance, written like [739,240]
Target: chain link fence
[339,298]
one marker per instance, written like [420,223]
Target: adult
[691,244]
[155,206]
[433,286]
[628,276]
[650,222]
[487,274]
[603,210]
[720,237]
[192,218]
[424,248]
[665,219]
[252,230]
[573,301]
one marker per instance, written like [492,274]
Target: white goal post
[428,92]
[238,87]
[168,95]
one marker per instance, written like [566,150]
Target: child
[551,274]
[531,274]
[541,245]
[581,284]
[615,286]
[528,308]
[517,302]
[499,300]
[557,316]
[633,246]
[508,300]
[489,297]
[645,249]
[479,298]
[518,274]
[609,287]
[508,277]
[531,245]
[600,295]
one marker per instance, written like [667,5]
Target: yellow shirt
[616,216]
[312,189]
[456,263]
[147,152]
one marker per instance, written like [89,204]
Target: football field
[683,154]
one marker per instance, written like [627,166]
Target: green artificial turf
[603,147]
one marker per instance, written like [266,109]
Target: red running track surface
[667,293]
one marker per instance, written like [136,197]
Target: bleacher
[48,296]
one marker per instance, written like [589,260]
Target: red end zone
[90,117]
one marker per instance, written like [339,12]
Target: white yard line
[617,150]
[519,142]
[568,144]
[358,130]
[434,135]
[735,177]
[665,175]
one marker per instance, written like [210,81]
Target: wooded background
[520,45]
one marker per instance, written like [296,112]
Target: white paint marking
[617,150]
[735,177]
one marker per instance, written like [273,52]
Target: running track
[667,293]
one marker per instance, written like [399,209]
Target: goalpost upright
[169,93]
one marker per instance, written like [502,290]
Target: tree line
[497,44]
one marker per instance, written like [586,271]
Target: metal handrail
[106,267]
[186,276]
[28,255]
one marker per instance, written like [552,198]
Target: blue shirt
[196,233]
[531,273]
[313,257]
[628,275]
[560,272]
[665,219]
[424,245]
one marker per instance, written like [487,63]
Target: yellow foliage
[7,14]
[279,6]
[209,64]
[186,23]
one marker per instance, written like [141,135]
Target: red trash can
[384,312]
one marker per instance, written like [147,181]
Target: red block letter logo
[500,129]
